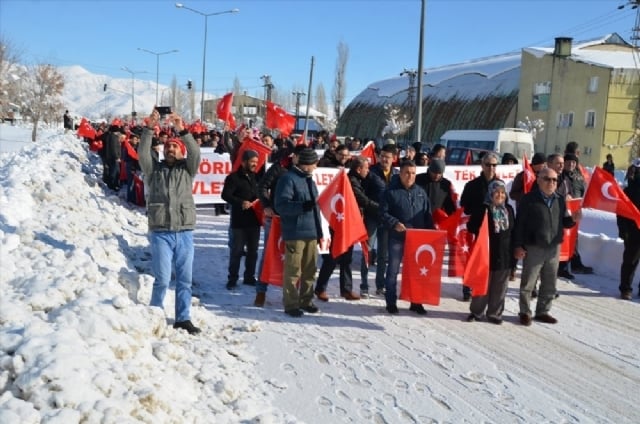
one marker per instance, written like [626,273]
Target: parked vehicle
[506,140]
[464,156]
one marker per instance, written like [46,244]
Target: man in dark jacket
[403,205]
[439,190]
[329,263]
[385,171]
[363,184]
[630,234]
[541,219]
[240,190]
[171,213]
[296,202]
[111,156]
[473,194]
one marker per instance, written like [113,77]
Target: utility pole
[268,86]
[418,121]
[306,118]
[298,94]
[412,74]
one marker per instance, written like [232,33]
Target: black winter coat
[500,246]
[238,187]
[440,193]
[538,224]
[369,206]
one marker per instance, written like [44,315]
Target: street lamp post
[298,94]
[204,54]
[157,65]
[133,95]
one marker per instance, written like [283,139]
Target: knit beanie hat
[249,154]
[436,166]
[307,157]
[180,144]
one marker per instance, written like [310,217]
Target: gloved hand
[622,235]
[307,205]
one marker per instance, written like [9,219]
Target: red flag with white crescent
[460,241]
[345,221]
[604,193]
[422,266]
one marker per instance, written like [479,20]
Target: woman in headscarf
[501,222]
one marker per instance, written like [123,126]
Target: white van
[506,140]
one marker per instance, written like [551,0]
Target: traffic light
[104,87]
[189,84]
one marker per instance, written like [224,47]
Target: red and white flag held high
[223,109]
[476,272]
[369,152]
[278,118]
[604,193]
[86,130]
[460,241]
[273,267]
[422,266]
[345,221]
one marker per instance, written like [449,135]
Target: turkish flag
[273,266]
[439,216]
[278,118]
[256,205]
[476,272]
[286,125]
[369,152]
[223,109]
[86,130]
[346,223]
[460,241]
[570,237]
[604,193]
[529,176]
[250,144]
[422,273]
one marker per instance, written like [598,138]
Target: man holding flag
[630,233]
[403,205]
[542,216]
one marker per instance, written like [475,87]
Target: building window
[593,85]
[250,110]
[565,120]
[541,93]
[590,119]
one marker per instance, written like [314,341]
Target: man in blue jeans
[403,205]
[171,215]
[385,171]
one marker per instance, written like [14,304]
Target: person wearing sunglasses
[474,193]
[539,228]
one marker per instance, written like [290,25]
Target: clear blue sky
[279,38]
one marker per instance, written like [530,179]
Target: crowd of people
[391,197]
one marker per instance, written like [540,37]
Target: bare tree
[41,95]
[11,75]
[340,84]
[321,100]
